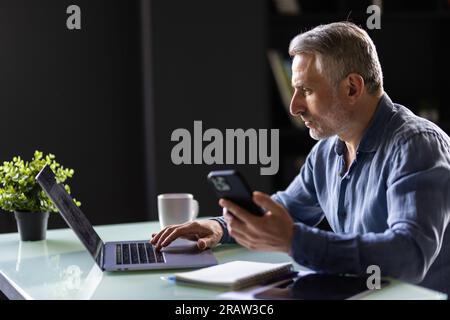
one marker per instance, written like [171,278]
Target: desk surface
[61,268]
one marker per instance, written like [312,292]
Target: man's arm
[418,213]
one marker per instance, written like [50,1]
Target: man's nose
[298,104]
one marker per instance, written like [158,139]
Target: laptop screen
[74,217]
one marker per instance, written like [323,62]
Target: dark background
[77,94]
[105,99]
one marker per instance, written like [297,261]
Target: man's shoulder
[405,126]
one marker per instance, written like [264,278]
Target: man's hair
[341,48]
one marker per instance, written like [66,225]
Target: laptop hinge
[101,258]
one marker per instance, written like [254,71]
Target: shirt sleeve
[418,199]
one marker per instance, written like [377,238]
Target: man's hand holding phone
[254,220]
[273,231]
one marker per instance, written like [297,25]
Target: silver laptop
[121,255]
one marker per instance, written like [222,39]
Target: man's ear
[355,85]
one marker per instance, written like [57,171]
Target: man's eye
[306,91]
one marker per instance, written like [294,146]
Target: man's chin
[313,133]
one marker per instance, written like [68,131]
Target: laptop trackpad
[181,246]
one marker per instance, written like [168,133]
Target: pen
[168,278]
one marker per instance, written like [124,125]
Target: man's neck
[365,111]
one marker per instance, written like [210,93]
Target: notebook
[237,274]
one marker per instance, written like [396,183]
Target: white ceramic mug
[176,208]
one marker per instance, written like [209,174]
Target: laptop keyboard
[137,253]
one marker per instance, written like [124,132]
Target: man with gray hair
[379,174]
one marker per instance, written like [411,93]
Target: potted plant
[21,194]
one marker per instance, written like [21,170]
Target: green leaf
[19,190]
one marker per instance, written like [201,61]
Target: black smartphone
[231,185]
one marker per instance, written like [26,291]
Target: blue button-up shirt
[390,209]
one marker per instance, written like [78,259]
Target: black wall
[209,63]
[78,95]
[107,107]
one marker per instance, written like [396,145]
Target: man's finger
[237,211]
[178,232]
[156,236]
[239,233]
[234,223]
[190,229]
[163,236]
[192,237]
[228,216]
[204,243]
[245,243]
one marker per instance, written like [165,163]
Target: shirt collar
[371,138]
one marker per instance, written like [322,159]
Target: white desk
[61,268]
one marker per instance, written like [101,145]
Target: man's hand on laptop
[207,233]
